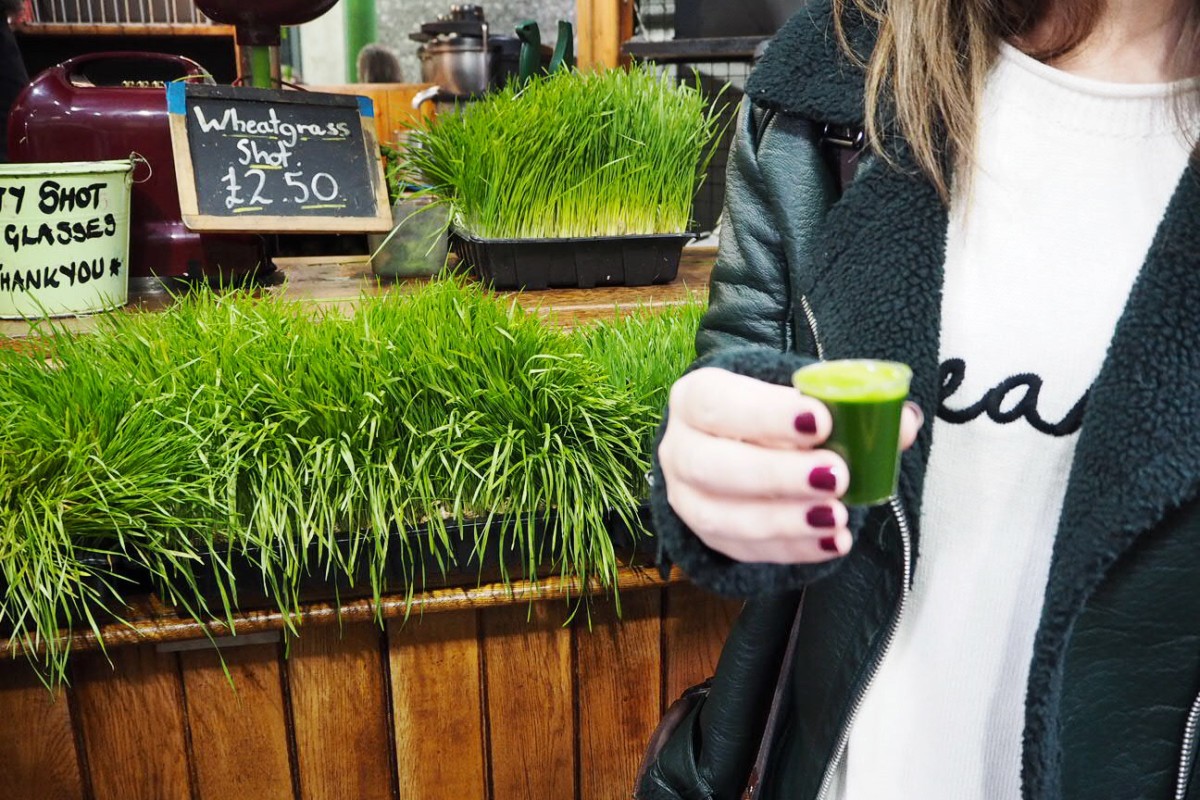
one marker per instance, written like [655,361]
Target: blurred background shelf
[123,29]
[53,31]
[677,51]
[43,46]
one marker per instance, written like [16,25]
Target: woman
[1023,620]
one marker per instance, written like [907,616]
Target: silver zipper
[844,737]
[906,539]
[1189,750]
[812,326]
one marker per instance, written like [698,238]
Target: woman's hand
[744,471]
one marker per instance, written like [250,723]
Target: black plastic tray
[574,263]
[132,580]
[464,566]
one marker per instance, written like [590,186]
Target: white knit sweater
[1071,179]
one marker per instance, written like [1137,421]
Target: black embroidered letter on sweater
[954,370]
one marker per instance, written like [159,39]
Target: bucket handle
[424,96]
[68,69]
[136,159]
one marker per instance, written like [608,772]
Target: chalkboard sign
[262,160]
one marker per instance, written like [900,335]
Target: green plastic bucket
[64,238]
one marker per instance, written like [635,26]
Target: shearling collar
[827,87]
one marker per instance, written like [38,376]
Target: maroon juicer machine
[101,106]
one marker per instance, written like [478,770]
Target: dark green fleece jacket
[1112,700]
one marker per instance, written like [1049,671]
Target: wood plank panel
[619,667]
[238,733]
[626,28]
[437,706]
[529,701]
[38,758]
[132,722]
[696,624]
[340,713]
[602,29]
[394,114]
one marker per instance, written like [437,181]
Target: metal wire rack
[117,12]
[714,75]
[654,20]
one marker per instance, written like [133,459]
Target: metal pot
[461,65]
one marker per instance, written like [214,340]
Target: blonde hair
[926,73]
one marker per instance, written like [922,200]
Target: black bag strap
[771,729]
[842,145]
[756,664]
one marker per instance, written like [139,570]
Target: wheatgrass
[234,428]
[574,154]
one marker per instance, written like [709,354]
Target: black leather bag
[715,741]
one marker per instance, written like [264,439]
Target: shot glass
[865,398]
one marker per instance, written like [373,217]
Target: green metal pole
[360,31]
[260,59]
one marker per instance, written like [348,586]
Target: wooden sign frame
[181,146]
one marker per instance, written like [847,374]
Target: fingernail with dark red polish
[821,517]
[823,478]
[806,423]
[829,544]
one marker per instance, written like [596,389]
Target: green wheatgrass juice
[865,399]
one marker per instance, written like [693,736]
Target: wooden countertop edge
[339,284]
[161,624]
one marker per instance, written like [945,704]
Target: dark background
[715,18]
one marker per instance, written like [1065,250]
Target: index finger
[731,406]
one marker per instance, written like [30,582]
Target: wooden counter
[337,283]
[458,694]
[504,701]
